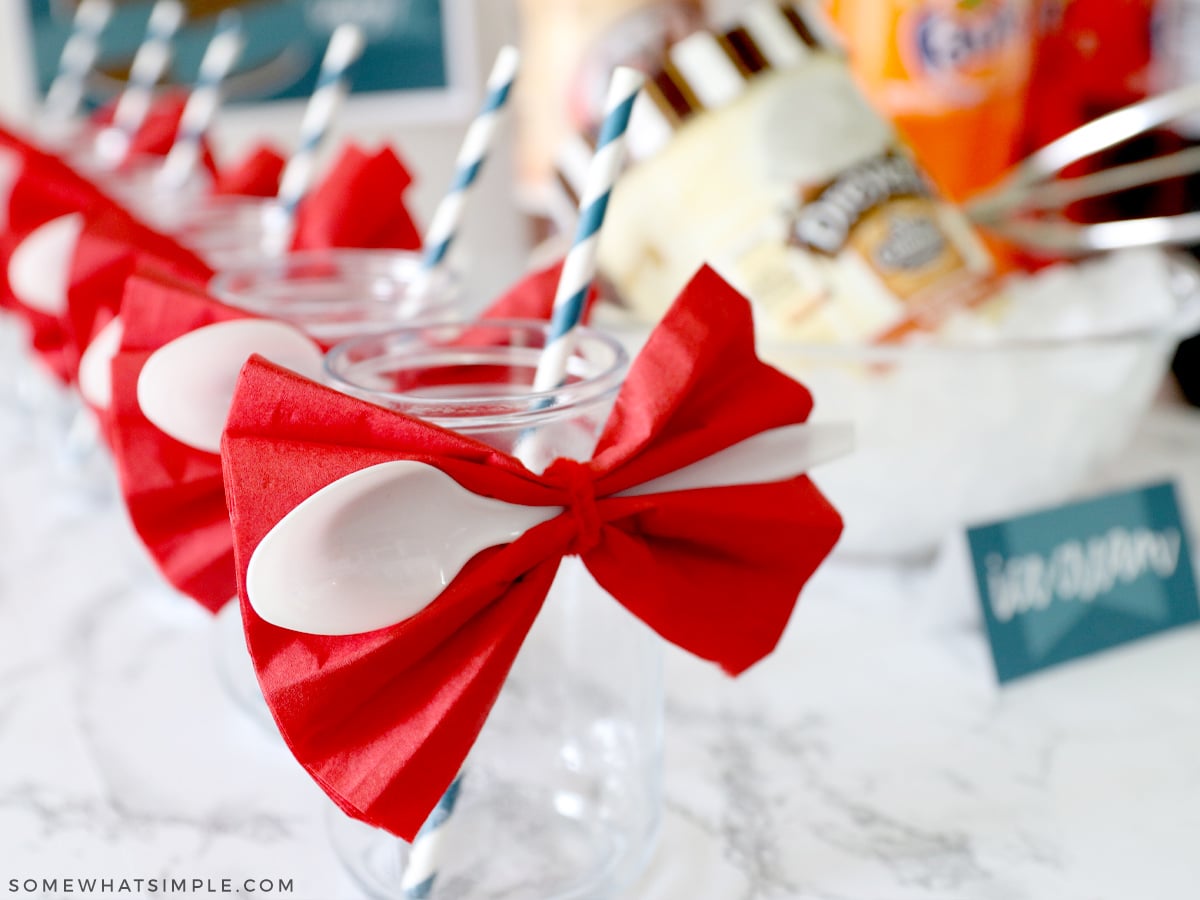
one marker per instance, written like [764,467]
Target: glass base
[83,462]
[502,846]
[235,669]
[38,412]
[561,794]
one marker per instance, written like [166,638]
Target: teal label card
[1077,579]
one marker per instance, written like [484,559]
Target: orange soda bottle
[951,74]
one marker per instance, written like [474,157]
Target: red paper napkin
[46,189]
[257,175]
[158,131]
[359,203]
[173,492]
[383,720]
[112,247]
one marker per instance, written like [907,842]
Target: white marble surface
[872,758]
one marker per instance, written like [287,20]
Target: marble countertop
[872,758]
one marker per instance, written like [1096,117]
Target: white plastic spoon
[378,546]
[10,170]
[39,270]
[95,366]
[186,387]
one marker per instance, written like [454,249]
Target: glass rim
[240,201]
[329,284]
[1179,328]
[212,206]
[271,269]
[537,405]
[363,256]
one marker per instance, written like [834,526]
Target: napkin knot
[576,479]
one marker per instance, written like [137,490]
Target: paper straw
[345,46]
[578,271]
[446,220]
[221,53]
[149,63]
[422,868]
[579,267]
[78,56]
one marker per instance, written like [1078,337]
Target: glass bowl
[951,433]
[955,431]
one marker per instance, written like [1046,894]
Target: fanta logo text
[948,41]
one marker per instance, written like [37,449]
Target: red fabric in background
[360,203]
[1092,56]
[383,720]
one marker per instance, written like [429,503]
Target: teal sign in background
[1070,581]
[285,40]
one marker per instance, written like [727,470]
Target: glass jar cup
[561,795]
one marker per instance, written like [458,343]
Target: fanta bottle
[952,75]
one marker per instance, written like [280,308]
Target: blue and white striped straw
[149,63]
[579,268]
[345,46]
[478,140]
[78,56]
[422,868]
[221,53]
[423,859]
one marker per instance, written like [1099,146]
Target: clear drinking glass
[139,185]
[229,230]
[336,294]
[986,428]
[70,425]
[562,793]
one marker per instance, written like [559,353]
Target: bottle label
[826,220]
[961,41]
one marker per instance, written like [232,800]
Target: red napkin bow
[173,492]
[112,244]
[44,189]
[384,719]
[359,203]
[257,175]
